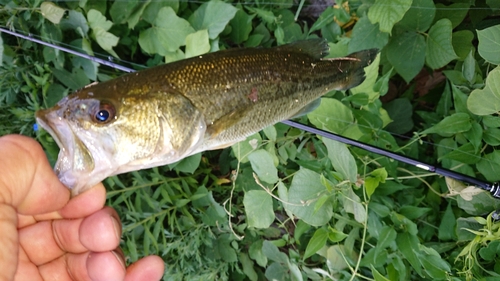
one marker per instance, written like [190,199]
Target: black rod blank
[492,188]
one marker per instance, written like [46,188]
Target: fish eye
[104,114]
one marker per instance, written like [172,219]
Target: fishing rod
[492,188]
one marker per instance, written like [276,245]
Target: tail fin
[352,67]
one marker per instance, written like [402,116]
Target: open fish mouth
[74,159]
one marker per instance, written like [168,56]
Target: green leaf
[342,159]
[75,21]
[241,27]
[494,5]
[491,121]
[366,35]
[276,271]
[317,241]
[100,26]
[121,10]
[97,20]
[336,236]
[406,52]
[388,12]
[469,67]
[258,208]
[223,247]
[386,238]
[487,100]
[352,204]
[447,226]
[151,11]
[462,43]
[263,165]
[489,44]
[408,244]
[439,47]
[450,125]
[455,12]
[419,17]
[374,179]
[480,203]
[273,253]
[489,166]
[326,17]
[491,136]
[197,43]
[248,266]
[475,136]
[401,111]
[137,14]
[52,12]
[189,164]
[255,252]
[435,266]
[336,256]
[213,16]
[377,276]
[270,133]
[331,115]
[74,81]
[305,190]
[105,39]
[466,153]
[243,148]
[168,33]
[413,212]
[55,93]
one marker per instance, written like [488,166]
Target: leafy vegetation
[284,204]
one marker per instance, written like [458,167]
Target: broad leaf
[197,43]
[331,115]
[263,165]
[487,100]
[241,27]
[439,48]
[489,44]
[342,159]
[388,12]
[317,241]
[419,17]
[406,52]
[258,208]
[453,124]
[305,190]
[52,12]
[366,35]
[213,16]
[408,244]
[167,34]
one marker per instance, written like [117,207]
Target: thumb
[27,182]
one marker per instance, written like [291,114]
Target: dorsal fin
[316,48]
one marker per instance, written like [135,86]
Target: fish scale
[160,115]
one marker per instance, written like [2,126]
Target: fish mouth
[74,160]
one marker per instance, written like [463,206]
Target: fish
[163,114]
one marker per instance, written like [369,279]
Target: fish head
[84,129]
[102,131]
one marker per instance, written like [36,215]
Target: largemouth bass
[160,115]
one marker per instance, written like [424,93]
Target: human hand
[45,235]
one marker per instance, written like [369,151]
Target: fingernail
[117,227]
[120,258]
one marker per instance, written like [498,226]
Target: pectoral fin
[307,109]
